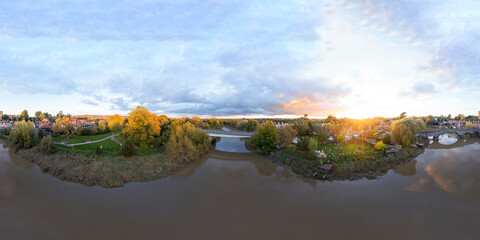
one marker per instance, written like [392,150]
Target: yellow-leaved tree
[115,123]
[62,126]
[142,126]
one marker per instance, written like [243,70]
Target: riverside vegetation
[151,147]
[308,150]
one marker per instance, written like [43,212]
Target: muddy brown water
[233,194]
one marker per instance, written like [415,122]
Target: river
[233,194]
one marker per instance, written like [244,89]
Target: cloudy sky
[353,58]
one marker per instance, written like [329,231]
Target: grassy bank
[106,171]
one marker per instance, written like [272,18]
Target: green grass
[80,139]
[345,148]
[110,148]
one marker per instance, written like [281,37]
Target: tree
[78,130]
[419,125]
[266,138]
[62,126]
[46,145]
[404,131]
[302,126]
[285,135]
[308,145]
[5,117]
[115,123]
[102,126]
[24,115]
[251,125]
[186,142]
[60,114]
[142,126]
[341,138]
[22,135]
[403,115]
[37,114]
[323,137]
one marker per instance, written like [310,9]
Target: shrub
[128,149]
[186,142]
[285,135]
[6,131]
[100,150]
[266,138]
[143,146]
[341,138]
[46,145]
[387,139]
[22,134]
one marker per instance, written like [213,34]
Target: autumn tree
[186,142]
[62,126]
[266,138]
[302,126]
[102,126]
[37,114]
[22,134]
[419,125]
[142,126]
[251,125]
[285,135]
[24,115]
[404,131]
[115,123]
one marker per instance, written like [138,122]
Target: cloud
[450,30]
[184,57]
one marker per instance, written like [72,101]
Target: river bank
[347,170]
[105,171]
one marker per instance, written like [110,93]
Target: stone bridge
[234,134]
[436,133]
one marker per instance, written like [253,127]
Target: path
[113,137]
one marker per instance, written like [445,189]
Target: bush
[100,150]
[143,146]
[285,135]
[6,131]
[22,134]
[46,145]
[387,139]
[308,145]
[128,149]
[186,142]
[266,138]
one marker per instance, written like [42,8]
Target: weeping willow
[404,130]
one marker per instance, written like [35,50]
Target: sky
[350,58]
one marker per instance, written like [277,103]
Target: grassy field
[345,148]
[80,139]
[109,147]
